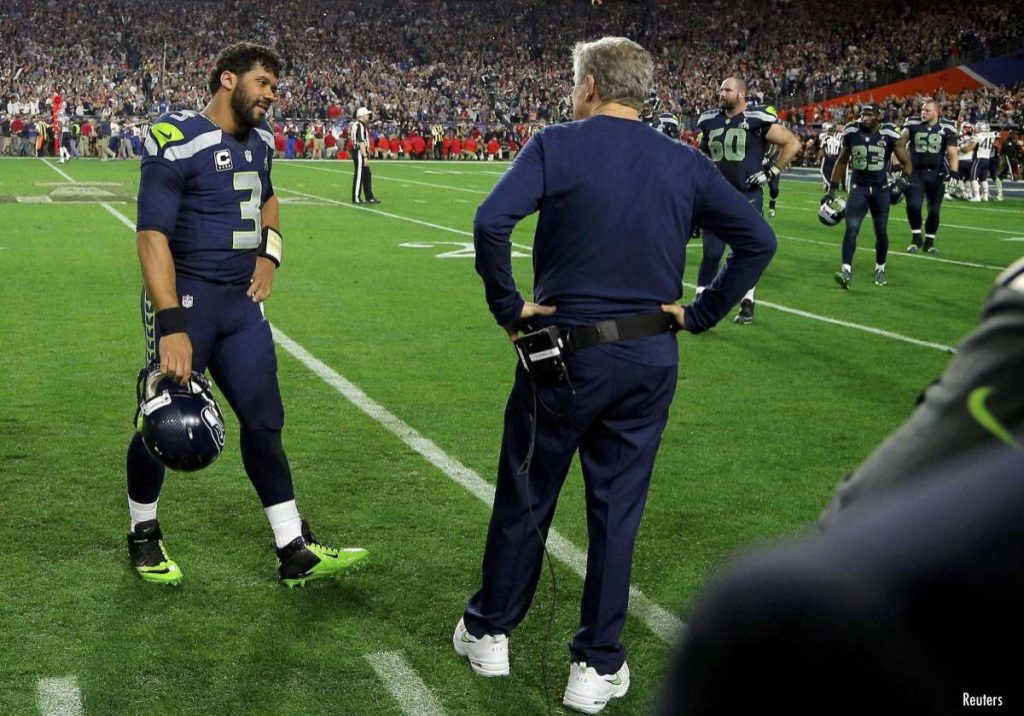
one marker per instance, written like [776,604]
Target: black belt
[621,329]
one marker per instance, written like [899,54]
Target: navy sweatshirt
[617,203]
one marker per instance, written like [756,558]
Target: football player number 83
[732,147]
[248,238]
[870,158]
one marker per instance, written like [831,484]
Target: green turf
[766,420]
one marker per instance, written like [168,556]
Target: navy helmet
[181,426]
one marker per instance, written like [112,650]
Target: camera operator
[617,202]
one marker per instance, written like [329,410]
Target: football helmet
[181,426]
[832,211]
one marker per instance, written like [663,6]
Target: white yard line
[404,684]
[446,187]
[899,254]
[59,696]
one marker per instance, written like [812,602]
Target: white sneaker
[589,691]
[488,655]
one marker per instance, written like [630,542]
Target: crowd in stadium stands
[469,78]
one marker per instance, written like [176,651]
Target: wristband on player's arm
[271,245]
[171,320]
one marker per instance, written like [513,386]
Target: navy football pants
[231,337]
[616,422]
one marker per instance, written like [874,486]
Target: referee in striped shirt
[362,180]
[830,144]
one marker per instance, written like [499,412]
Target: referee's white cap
[362,112]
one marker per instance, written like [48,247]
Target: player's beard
[727,105]
[245,108]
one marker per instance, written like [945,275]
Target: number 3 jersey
[737,144]
[203,189]
[870,153]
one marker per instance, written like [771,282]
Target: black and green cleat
[148,556]
[304,559]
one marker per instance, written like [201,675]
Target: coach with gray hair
[617,202]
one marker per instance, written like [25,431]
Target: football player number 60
[248,238]
[733,147]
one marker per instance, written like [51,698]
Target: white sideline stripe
[916,257]
[944,225]
[120,217]
[59,696]
[663,624]
[363,207]
[848,324]
[406,181]
[858,327]
[405,684]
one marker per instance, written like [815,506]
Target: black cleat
[746,314]
[304,559]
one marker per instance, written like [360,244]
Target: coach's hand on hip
[262,281]
[678,313]
[529,311]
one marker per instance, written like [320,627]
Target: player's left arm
[787,142]
[262,283]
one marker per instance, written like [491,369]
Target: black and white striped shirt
[358,134]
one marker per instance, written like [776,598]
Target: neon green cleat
[304,559]
[148,556]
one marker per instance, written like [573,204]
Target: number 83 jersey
[737,144]
[870,154]
[203,189]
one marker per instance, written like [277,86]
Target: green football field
[394,377]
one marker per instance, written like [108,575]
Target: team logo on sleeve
[164,132]
[187,301]
[222,160]
[248,155]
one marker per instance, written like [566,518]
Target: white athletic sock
[879,267]
[285,521]
[141,512]
[749,295]
[975,188]
[999,187]
[984,190]
[700,290]
[847,267]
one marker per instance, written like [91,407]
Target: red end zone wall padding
[951,81]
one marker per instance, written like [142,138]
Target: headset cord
[524,469]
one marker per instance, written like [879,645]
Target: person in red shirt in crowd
[382,148]
[456,147]
[493,147]
[330,145]
[446,146]
[513,148]
[395,146]
[469,148]
[279,141]
[300,146]
[418,146]
[333,112]
[406,147]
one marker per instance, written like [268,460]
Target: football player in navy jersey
[868,147]
[209,245]
[933,152]
[736,136]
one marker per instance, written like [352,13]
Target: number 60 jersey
[203,189]
[737,144]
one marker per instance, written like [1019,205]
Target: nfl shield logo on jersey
[222,160]
[248,155]
[186,301]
